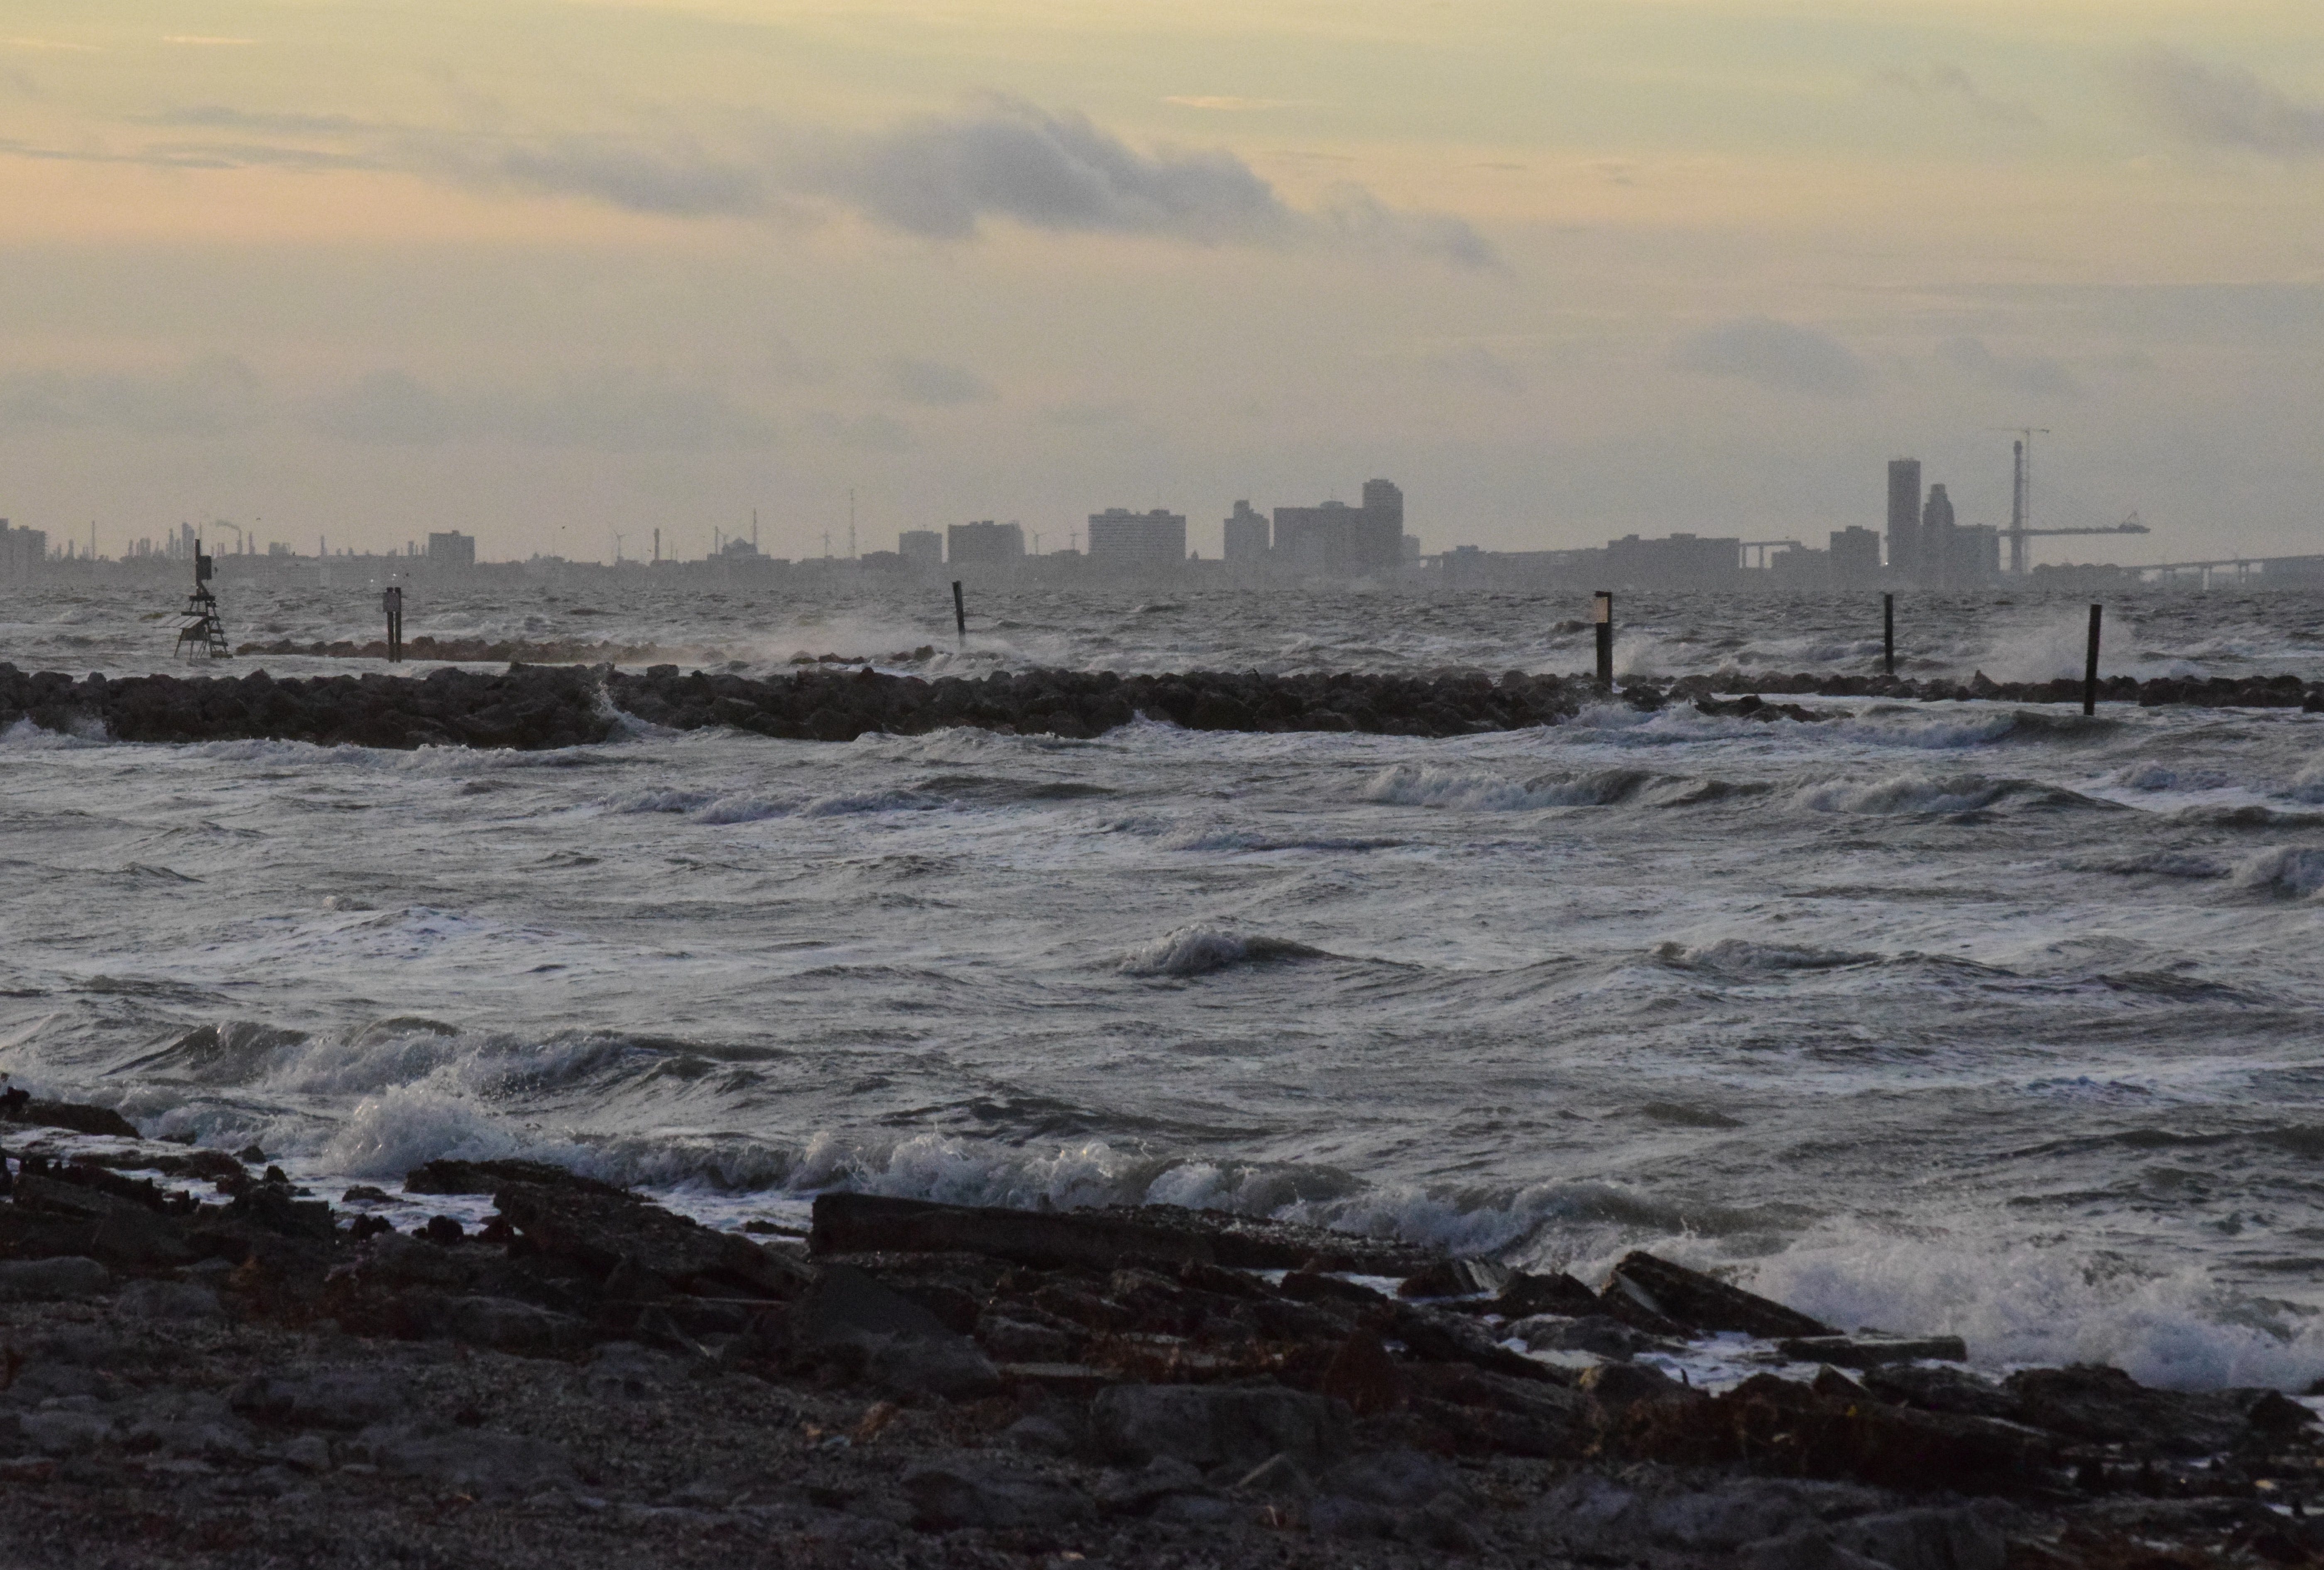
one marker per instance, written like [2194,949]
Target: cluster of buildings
[1331,539]
[1924,545]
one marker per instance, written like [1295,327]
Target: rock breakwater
[557,705]
[206,1365]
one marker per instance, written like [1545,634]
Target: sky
[562,272]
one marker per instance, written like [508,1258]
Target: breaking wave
[1199,950]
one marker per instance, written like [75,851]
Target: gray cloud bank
[2222,106]
[1773,355]
[941,177]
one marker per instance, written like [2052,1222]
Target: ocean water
[1960,1017]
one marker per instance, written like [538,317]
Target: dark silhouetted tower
[1904,514]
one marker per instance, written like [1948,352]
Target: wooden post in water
[1602,611]
[959,613]
[2090,667]
[391,602]
[1888,633]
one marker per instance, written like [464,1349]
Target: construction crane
[2021,504]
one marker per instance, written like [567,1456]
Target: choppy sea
[1964,1018]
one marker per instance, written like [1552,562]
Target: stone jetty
[560,705]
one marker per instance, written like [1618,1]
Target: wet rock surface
[546,705]
[239,1378]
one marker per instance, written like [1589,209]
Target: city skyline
[1571,272]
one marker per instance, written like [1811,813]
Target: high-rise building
[1130,541]
[1335,538]
[1937,562]
[22,552]
[1855,557]
[1247,535]
[984,541]
[1904,515]
[452,550]
[921,547]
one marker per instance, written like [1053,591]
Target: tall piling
[1602,611]
[959,613]
[1888,633]
[2091,666]
[391,602]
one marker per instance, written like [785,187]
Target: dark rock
[1788,1427]
[1362,1374]
[442,1229]
[1155,1236]
[2106,1405]
[1616,1386]
[1212,1425]
[1940,1389]
[1526,1294]
[41,1280]
[1874,1351]
[1595,1333]
[595,1232]
[51,1218]
[948,1495]
[891,1340]
[75,1116]
[1704,1303]
[1456,1278]
[449,1176]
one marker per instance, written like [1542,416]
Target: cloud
[1088,416]
[932,383]
[789,364]
[939,176]
[1231,104]
[943,176]
[219,117]
[610,411]
[678,180]
[215,395]
[1773,355]
[1353,215]
[1476,364]
[2223,105]
[869,432]
[1950,84]
[2031,374]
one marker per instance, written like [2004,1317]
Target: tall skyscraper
[1247,535]
[1904,515]
[1940,558]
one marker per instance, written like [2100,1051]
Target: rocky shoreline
[201,1365]
[559,705]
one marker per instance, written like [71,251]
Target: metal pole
[1602,611]
[2090,667]
[959,613]
[1888,633]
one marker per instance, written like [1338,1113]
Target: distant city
[1924,545]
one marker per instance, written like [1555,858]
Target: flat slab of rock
[1701,1302]
[1874,1351]
[1103,1239]
[600,1231]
